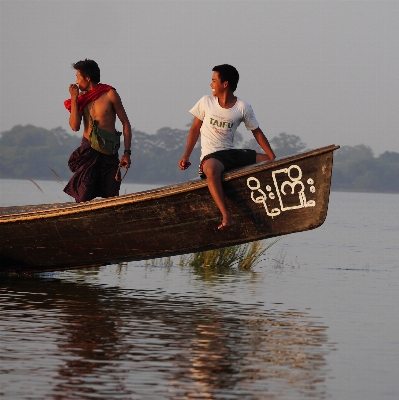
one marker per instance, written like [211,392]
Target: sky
[326,71]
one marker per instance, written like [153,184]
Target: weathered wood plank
[268,199]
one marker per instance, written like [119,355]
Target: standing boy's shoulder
[242,104]
[208,99]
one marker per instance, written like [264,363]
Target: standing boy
[95,172]
[216,118]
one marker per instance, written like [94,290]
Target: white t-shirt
[220,124]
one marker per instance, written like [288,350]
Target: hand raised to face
[74,90]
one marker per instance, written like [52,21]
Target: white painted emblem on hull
[292,187]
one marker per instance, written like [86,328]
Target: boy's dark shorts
[231,158]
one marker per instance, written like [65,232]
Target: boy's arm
[127,130]
[75,117]
[263,143]
[192,139]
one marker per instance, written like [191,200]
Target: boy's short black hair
[88,68]
[228,73]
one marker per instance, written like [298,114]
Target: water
[316,318]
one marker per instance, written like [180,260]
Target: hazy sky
[327,71]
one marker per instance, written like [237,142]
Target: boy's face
[82,82]
[217,86]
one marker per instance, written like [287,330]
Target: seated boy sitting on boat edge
[216,119]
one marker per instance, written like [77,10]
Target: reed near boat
[289,194]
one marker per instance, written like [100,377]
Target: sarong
[94,174]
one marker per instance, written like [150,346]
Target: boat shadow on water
[132,342]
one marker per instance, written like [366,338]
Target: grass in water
[243,256]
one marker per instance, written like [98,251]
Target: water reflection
[91,341]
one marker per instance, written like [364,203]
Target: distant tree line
[29,152]
[356,169]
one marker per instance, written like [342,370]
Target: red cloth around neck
[89,96]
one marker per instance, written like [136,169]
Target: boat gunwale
[183,187]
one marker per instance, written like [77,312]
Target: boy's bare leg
[261,157]
[213,170]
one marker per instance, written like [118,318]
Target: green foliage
[155,157]
[389,157]
[252,144]
[282,145]
[29,152]
[356,169]
[352,154]
[286,145]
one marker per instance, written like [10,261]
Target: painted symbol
[295,175]
[254,185]
[291,187]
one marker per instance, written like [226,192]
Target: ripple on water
[79,340]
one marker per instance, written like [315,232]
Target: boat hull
[269,199]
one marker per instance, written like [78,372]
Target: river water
[316,318]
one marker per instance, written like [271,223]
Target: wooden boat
[268,199]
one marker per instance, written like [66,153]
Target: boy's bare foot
[226,224]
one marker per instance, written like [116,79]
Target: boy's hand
[125,160]
[73,90]
[184,163]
